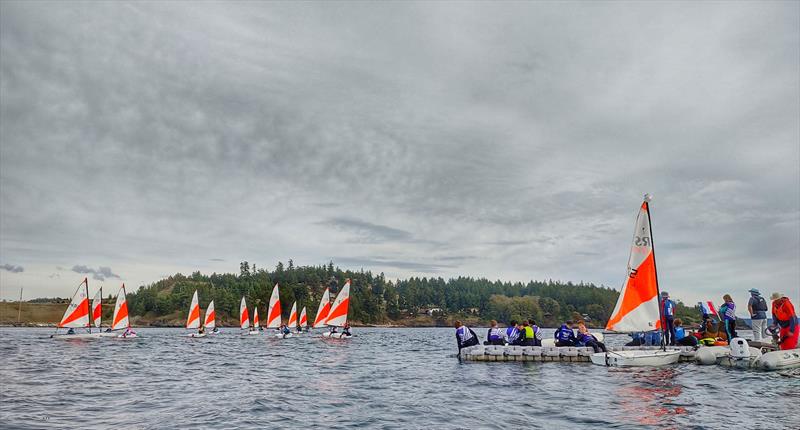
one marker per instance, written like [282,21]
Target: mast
[89,323]
[647,198]
[19,309]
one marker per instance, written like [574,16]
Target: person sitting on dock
[564,335]
[537,332]
[584,338]
[681,337]
[512,333]
[652,338]
[464,336]
[495,335]
[728,311]
[526,335]
[784,316]
[637,339]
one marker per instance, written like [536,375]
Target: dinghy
[338,315]
[779,360]
[211,319]
[244,319]
[638,307]
[303,321]
[193,320]
[97,308]
[274,312]
[323,310]
[77,315]
[292,317]
[120,320]
[256,323]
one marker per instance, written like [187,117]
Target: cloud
[100,274]
[216,259]
[379,264]
[12,268]
[367,232]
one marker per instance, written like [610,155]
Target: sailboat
[274,312]
[193,320]
[120,320]
[303,321]
[77,315]
[97,308]
[338,314]
[323,310]
[211,319]
[293,317]
[638,307]
[256,323]
[244,318]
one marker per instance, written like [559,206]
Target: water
[382,378]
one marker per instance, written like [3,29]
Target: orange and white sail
[244,316]
[120,319]
[77,313]
[193,321]
[303,318]
[293,316]
[97,307]
[323,310]
[637,308]
[274,310]
[211,316]
[338,314]
[256,323]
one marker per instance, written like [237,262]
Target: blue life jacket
[669,308]
[680,333]
[565,334]
[495,334]
[463,333]
[512,333]
[730,311]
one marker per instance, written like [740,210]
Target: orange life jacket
[783,309]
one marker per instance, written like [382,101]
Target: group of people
[528,333]
[784,328]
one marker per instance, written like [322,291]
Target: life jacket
[783,311]
[495,334]
[537,332]
[528,332]
[680,333]
[512,333]
[669,308]
[584,338]
[565,334]
[761,304]
[730,311]
[464,333]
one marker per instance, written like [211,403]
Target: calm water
[382,378]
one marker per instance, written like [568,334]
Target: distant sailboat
[338,314]
[211,319]
[97,307]
[256,322]
[638,306]
[193,320]
[293,316]
[244,316]
[323,310]
[77,314]
[120,320]
[274,312]
[303,320]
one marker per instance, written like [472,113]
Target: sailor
[526,335]
[668,310]
[201,330]
[681,337]
[564,335]
[728,311]
[512,333]
[637,339]
[585,338]
[537,332]
[285,330]
[333,330]
[128,332]
[299,329]
[216,330]
[346,330]
[495,335]
[784,316]
[757,307]
[464,336]
[71,331]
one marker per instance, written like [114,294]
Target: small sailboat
[292,317]
[244,318]
[323,310]
[256,323]
[274,313]
[97,308]
[338,314]
[638,307]
[303,325]
[211,319]
[120,320]
[193,320]
[77,315]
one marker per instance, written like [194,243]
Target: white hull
[130,336]
[552,342]
[707,355]
[636,358]
[253,332]
[779,360]
[282,336]
[85,336]
[196,335]
[336,335]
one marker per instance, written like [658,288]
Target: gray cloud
[12,268]
[422,131]
[101,273]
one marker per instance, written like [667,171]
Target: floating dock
[576,354]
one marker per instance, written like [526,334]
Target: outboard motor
[740,350]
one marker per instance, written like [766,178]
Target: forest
[376,300]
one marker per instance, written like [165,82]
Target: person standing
[728,311]
[668,310]
[757,307]
[784,316]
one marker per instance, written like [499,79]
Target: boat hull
[282,336]
[636,358]
[84,336]
[779,360]
[336,335]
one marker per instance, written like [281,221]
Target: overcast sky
[512,141]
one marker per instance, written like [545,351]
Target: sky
[510,141]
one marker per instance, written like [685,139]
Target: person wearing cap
[757,307]
[668,311]
[784,316]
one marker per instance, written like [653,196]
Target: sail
[293,316]
[338,315]
[637,308]
[193,321]
[324,308]
[244,316]
[211,316]
[274,311]
[255,318]
[120,318]
[77,313]
[97,307]
[303,318]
